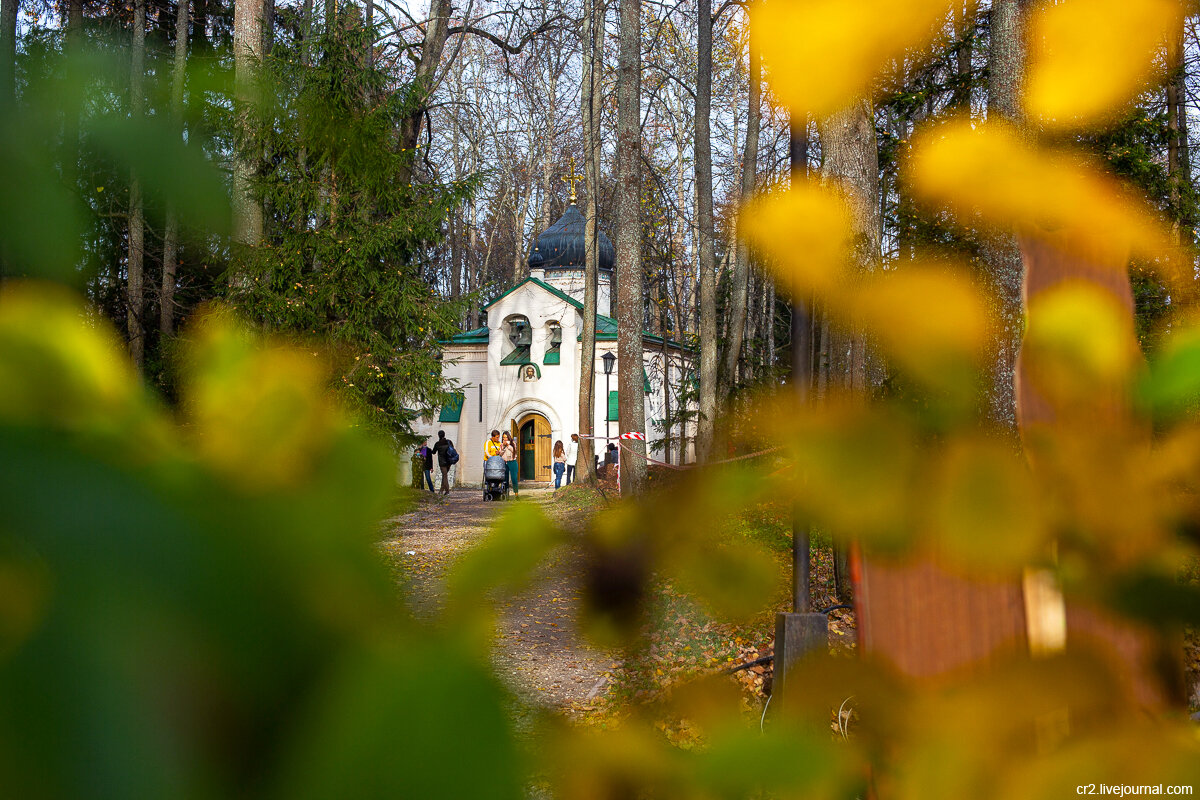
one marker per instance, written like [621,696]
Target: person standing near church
[442,447]
[572,454]
[508,449]
[560,463]
[426,455]
[492,446]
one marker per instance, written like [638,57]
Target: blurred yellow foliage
[806,233]
[983,507]
[823,54]
[60,366]
[989,174]
[1089,58]
[1079,341]
[926,316]
[261,416]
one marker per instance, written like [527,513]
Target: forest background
[463,121]
[190,599]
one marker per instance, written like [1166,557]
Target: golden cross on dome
[571,179]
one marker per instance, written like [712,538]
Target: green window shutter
[645,380]
[552,357]
[453,408]
[612,405]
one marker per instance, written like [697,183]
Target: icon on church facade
[530,374]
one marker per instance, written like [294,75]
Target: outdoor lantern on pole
[609,360]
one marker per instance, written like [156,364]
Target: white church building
[521,371]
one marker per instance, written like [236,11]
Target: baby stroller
[495,479]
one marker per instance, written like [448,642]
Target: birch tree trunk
[593,55]
[739,280]
[1006,60]
[704,222]
[630,312]
[166,305]
[137,221]
[247,52]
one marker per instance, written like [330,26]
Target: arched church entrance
[532,433]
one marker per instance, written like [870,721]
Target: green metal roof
[556,292]
[552,357]
[477,336]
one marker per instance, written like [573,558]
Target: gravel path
[538,650]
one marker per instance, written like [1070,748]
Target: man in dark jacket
[440,447]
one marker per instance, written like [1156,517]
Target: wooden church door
[528,453]
[535,448]
[541,432]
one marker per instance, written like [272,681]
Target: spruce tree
[346,236]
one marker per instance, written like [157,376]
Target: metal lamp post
[609,361]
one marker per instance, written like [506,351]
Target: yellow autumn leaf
[989,174]
[259,415]
[983,508]
[59,364]
[822,54]
[924,315]
[804,231]
[1079,330]
[1090,58]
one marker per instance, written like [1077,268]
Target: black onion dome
[561,245]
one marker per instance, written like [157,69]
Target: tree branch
[503,45]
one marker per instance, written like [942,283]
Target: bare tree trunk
[166,305]
[1006,60]
[593,54]
[964,22]
[630,313]
[268,26]
[247,52]
[769,361]
[823,359]
[437,30]
[1178,163]
[704,221]
[548,168]
[739,280]
[8,51]
[306,33]
[472,274]
[74,32]
[520,265]
[137,220]
[852,160]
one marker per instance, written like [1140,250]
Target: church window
[554,346]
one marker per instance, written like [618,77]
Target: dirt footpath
[538,650]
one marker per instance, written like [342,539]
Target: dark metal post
[607,403]
[802,630]
[801,330]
